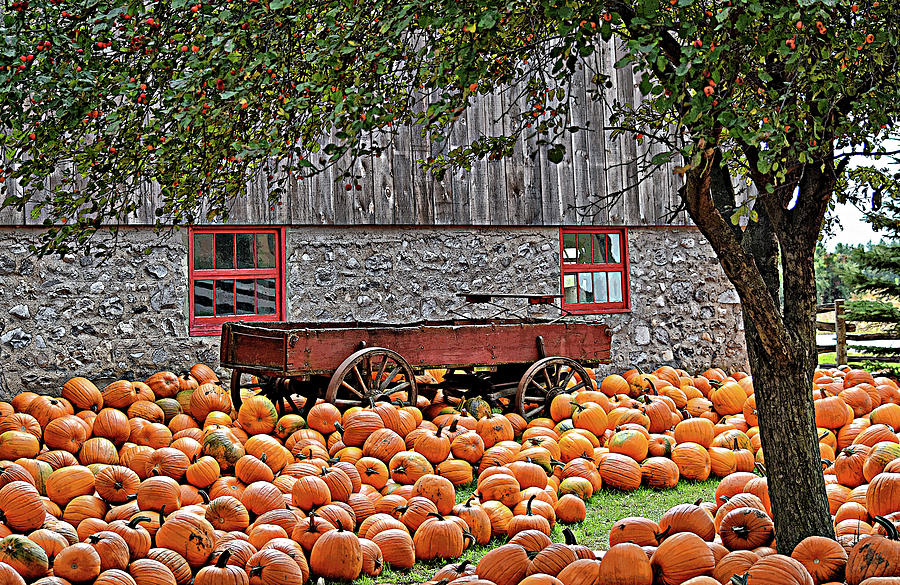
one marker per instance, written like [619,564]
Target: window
[594,270]
[234,274]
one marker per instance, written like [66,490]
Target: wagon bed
[528,360]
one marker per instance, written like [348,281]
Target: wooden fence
[846,332]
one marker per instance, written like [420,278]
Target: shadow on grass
[603,510]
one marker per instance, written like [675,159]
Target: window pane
[265,296]
[615,248]
[615,287]
[245,297]
[585,287]
[245,250]
[569,248]
[600,256]
[224,251]
[224,297]
[570,289]
[203,251]
[265,250]
[584,248]
[203,298]
[600,295]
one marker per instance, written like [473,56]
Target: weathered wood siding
[518,190]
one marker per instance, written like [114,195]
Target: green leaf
[556,153]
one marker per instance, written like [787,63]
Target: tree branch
[740,268]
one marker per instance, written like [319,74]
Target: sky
[853,228]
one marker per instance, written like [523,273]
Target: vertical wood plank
[461,192]
[403,172]
[477,176]
[634,214]
[596,145]
[383,181]
[615,176]
[519,189]
[580,148]
[491,107]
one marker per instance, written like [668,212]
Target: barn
[394,246]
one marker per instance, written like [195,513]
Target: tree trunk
[788,432]
[780,336]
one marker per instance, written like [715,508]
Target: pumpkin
[26,557]
[77,563]
[476,518]
[149,572]
[746,529]
[688,518]
[397,548]
[681,557]
[778,569]
[111,547]
[824,558]
[874,556]
[504,565]
[189,535]
[137,537]
[221,573]
[625,564]
[21,507]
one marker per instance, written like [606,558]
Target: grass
[603,510]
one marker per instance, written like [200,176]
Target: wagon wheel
[369,373]
[240,379]
[546,378]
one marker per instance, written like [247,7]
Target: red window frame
[573,268]
[212,325]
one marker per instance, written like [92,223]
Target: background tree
[780,95]
[830,270]
[875,270]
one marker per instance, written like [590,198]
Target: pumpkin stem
[453,424]
[263,457]
[698,502]
[760,468]
[889,528]
[462,566]
[339,428]
[255,571]
[739,579]
[468,503]
[570,536]
[340,525]
[435,515]
[528,505]
[133,523]
[203,496]
[437,433]
[223,559]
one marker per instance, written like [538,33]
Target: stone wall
[127,316]
[683,310]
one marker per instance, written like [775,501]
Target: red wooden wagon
[527,362]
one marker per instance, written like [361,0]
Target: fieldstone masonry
[127,316]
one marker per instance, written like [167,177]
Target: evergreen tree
[830,270]
[875,271]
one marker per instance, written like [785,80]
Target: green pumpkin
[25,556]
[40,471]
[184,399]
[170,407]
[218,445]
[477,407]
[577,486]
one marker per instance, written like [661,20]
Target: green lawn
[603,510]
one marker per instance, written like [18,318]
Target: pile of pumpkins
[163,482]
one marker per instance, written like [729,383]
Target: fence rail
[845,332]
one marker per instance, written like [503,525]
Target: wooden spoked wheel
[544,380]
[239,380]
[368,374]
